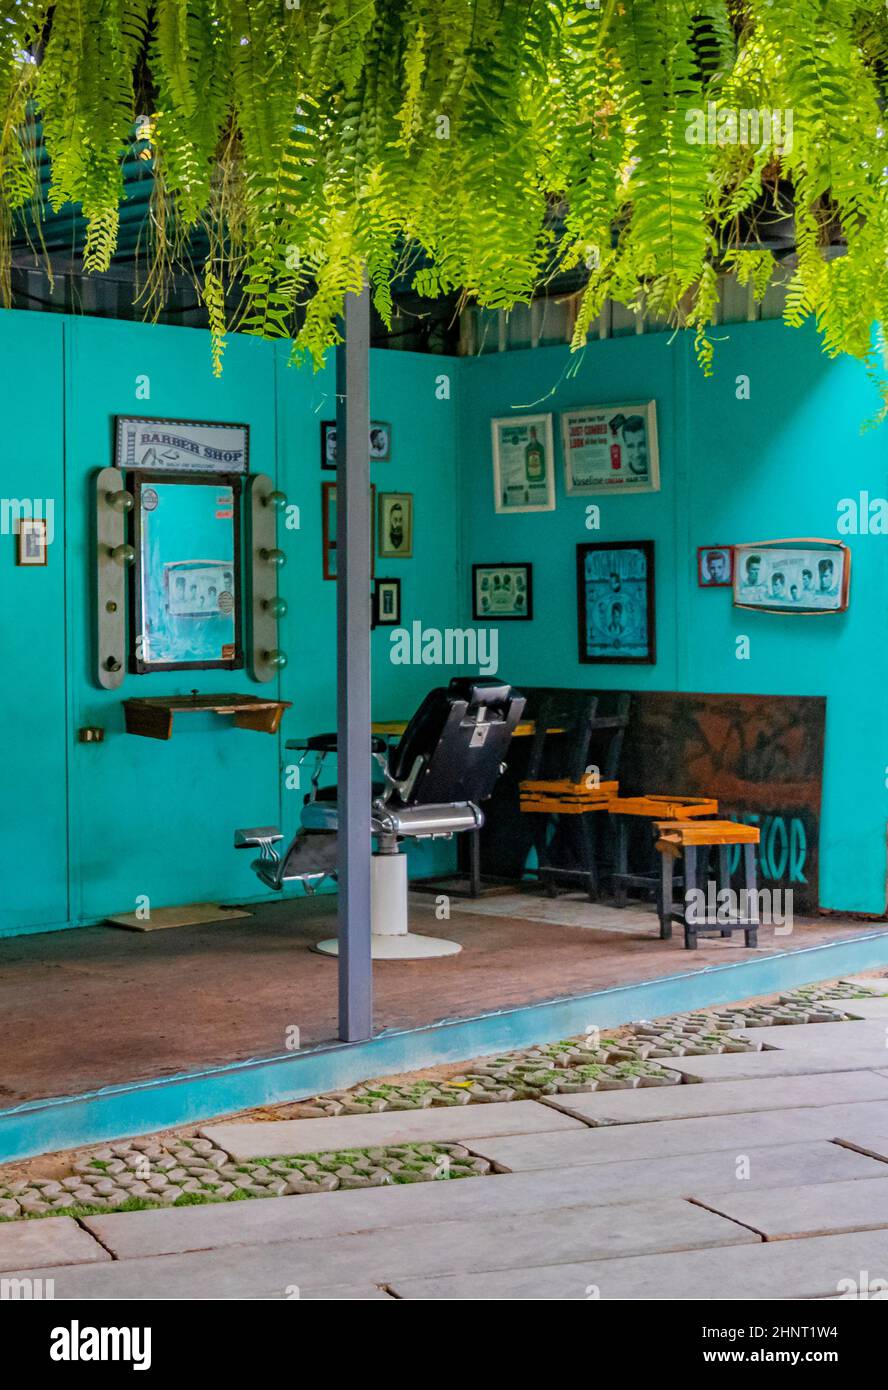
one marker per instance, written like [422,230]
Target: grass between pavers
[450,1162]
[81,1209]
[589,1063]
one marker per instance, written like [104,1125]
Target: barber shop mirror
[186,592]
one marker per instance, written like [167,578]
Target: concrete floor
[101,1006]
[722,1189]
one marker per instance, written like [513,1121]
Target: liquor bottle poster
[523,464]
[615,602]
[611,448]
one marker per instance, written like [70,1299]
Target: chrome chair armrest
[257,837]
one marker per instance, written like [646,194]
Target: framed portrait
[396,525]
[715,566]
[329,528]
[186,591]
[502,592]
[615,602]
[180,446]
[611,448]
[804,575]
[386,603]
[523,464]
[380,442]
[31,541]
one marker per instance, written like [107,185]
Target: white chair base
[408,946]
[390,938]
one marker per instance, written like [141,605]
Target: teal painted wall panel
[151,818]
[134,818]
[544,651]
[778,465]
[732,470]
[33,714]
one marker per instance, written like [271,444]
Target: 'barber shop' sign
[181,446]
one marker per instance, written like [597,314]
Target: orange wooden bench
[691,841]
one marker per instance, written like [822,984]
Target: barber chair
[447,761]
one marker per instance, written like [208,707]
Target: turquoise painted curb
[118,1112]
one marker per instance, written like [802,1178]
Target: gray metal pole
[353,668]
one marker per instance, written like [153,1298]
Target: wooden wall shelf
[152,717]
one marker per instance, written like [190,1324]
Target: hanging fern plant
[478,145]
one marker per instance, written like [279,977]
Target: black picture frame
[611,655]
[385,619]
[328,426]
[138,482]
[479,614]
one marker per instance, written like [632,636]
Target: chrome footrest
[427,822]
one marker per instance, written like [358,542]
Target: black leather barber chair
[430,787]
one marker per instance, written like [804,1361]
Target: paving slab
[268,1138]
[732,1097]
[790,1269]
[878,985]
[53,1240]
[748,1066]
[812,1209]
[563,1234]
[702,1134]
[839,1037]
[877,1007]
[174,1230]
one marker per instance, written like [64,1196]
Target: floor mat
[192,915]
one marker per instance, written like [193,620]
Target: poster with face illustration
[611,448]
[792,576]
[615,602]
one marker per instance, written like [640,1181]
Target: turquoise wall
[86,829]
[732,470]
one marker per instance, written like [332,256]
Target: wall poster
[611,448]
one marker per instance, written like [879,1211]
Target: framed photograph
[396,525]
[523,464]
[502,592]
[31,544]
[386,603]
[329,528]
[380,442]
[804,575]
[715,566]
[615,602]
[180,446]
[186,592]
[611,448]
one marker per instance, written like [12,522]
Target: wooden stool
[566,798]
[693,839]
[655,808]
